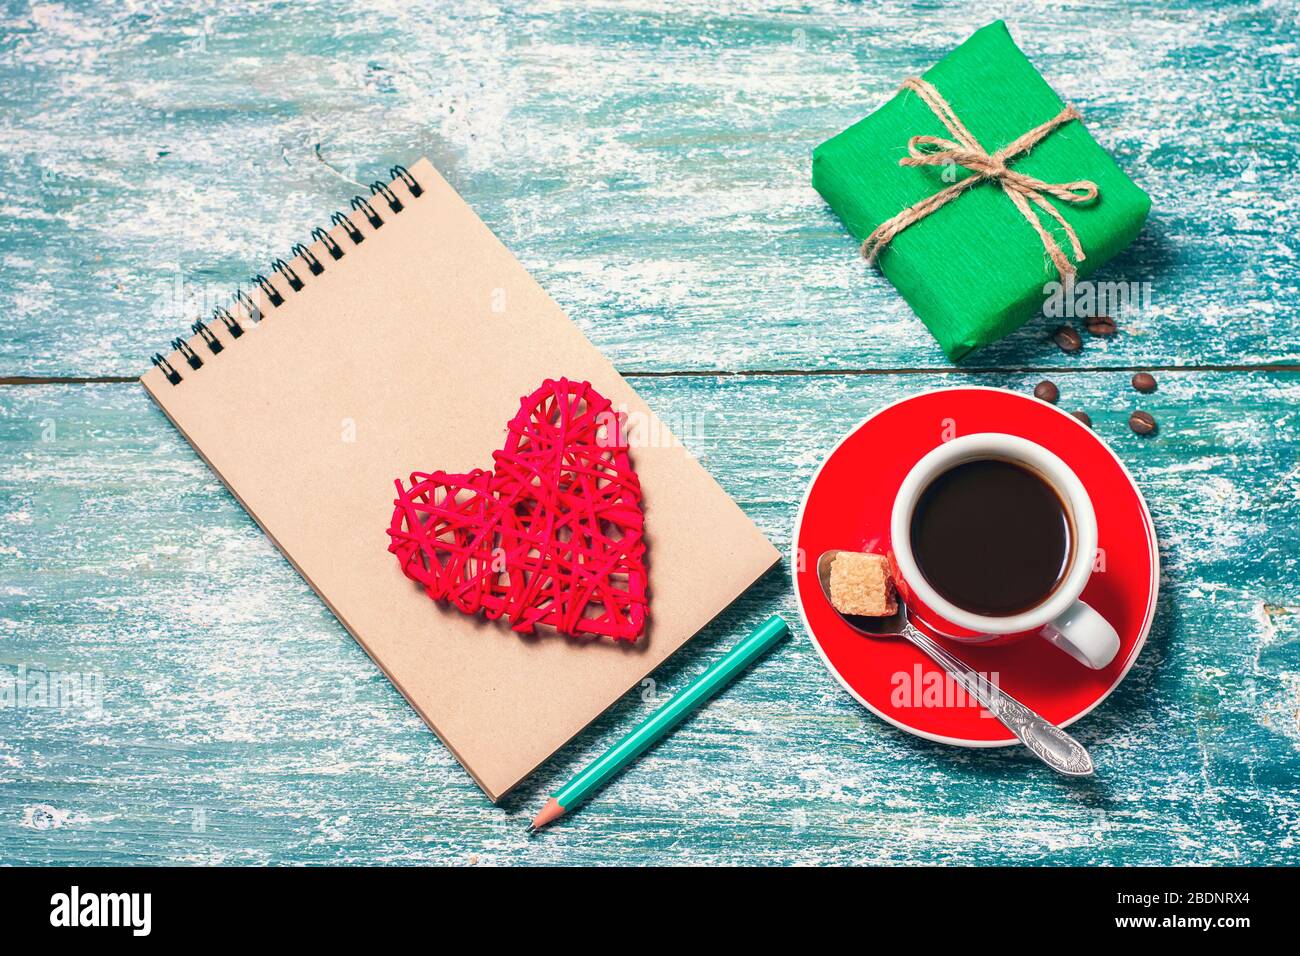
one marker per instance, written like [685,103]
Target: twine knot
[965,150]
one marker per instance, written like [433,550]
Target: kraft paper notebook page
[410,352]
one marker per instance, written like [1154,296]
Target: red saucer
[848,506]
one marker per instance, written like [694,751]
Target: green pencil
[662,720]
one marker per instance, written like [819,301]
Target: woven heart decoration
[553,535]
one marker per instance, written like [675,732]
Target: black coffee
[991,537]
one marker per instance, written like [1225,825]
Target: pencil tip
[550,812]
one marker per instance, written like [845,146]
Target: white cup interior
[1012,448]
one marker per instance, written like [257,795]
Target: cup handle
[1085,635]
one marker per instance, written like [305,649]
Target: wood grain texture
[649,163]
[229,688]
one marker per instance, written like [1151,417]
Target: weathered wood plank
[649,162]
[239,722]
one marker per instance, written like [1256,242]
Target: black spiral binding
[381,189]
[325,239]
[173,376]
[229,321]
[355,234]
[399,172]
[187,353]
[250,307]
[271,292]
[200,328]
[287,274]
[362,204]
[305,254]
[291,276]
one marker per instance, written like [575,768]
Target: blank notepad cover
[411,353]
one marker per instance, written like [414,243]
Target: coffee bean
[1101,325]
[1083,417]
[1047,391]
[1142,423]
[1067,339]
[1144,382]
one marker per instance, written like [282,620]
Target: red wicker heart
[552,536]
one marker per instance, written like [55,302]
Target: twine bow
[964,150]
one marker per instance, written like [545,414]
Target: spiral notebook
[400,339]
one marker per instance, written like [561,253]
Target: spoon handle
[1049,742]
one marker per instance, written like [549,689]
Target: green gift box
[975,269]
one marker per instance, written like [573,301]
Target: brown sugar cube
[860,584]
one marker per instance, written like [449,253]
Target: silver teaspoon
[1047,741]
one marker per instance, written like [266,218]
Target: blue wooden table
[649,162]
